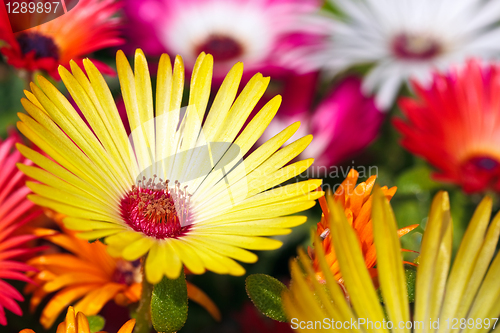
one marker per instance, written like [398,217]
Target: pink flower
[15,211]
[256,32]
[345,122]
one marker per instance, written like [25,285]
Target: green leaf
[416,180]
[96,323]
[169,304]
[265,292]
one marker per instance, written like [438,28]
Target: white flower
[402,39]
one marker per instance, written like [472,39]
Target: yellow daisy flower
[464,298]
[178,188]
[79,323]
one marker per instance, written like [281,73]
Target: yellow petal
[389,260]
[111,117]
[153,266]
[258,125]
[164,85]
[482,263]
[343,309]
[55,169]
[308,303]
[251,243]
[188,255]
[70,210]
[352,265]
[486,303]
[177,84]
[462,271]
[435,257]
[138,248]
[129,93]
[230,251]
[75,200]
[241,108]
[207,188]
[144,93]
[223,101]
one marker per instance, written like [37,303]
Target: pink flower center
[42,46]
[415,47]
[222,48]
[157,210]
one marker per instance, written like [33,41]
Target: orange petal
[389,193]
[82,323]
[68,261]
[61,301]
[72,279]
[357,198]
[61,328]
[197,295]
[36,298]
[127,327]
[93,302]
[369,183]
[410,263]
[405,230]
[70,320]
[324,207]
[347,187]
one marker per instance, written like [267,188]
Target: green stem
[143,320]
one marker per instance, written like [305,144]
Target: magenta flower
[15,211]
[345,122]
[256,32]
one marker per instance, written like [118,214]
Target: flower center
[221,47]
[415,47]
[43,46]
[483,163]
[157,210]
[480,173]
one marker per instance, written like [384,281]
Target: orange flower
[89,275]
[357,203]
[79,323]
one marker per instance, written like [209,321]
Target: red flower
[88,27]
[455,125]
[15,211]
